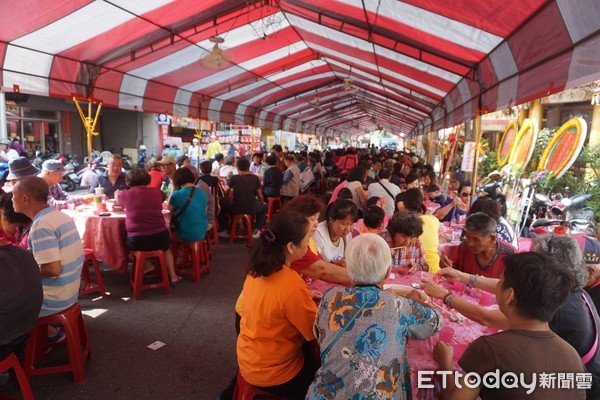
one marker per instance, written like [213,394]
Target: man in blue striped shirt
[55,244]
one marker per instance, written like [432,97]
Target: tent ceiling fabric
[413,65]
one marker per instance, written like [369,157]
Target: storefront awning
[325,67]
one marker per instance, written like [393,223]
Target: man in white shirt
[385,189]
[217,164]
[7,153]
[195,153]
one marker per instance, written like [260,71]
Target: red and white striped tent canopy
[314,66]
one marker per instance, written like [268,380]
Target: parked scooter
[70,180]
[572,214]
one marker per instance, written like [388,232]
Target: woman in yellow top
[277,311]
[412,200]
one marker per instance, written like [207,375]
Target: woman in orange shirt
[277,311]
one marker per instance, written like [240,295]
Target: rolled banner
[564,147]
[506,143]
[523,146]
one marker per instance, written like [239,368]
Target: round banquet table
[420,352]
[105,235]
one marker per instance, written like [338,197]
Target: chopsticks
[448,313]
[398,248]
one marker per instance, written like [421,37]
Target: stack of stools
[137,275]
[76,341]
[245,391]
[91,284]
[246,225]
[11,361]
[194,259]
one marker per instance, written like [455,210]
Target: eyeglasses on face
[465,194]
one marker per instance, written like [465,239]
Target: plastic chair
[11,361]
[245,391]
[274,206]
[137,275]
[213,236]
[246,232]
[195,259]
[78,346]
[91,285]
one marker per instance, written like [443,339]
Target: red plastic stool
[190,260]
[11,361]
[78,346]
[246,232]
[137,275]
[98,284]
[274,206]
[245,391]
[204,254]
[212,236]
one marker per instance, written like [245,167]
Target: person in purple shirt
[144,221]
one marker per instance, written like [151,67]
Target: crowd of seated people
[296,342]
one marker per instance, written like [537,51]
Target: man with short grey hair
[56,247]
[113,179]
[481,253]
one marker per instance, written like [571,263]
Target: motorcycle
[71,180]
[571,215]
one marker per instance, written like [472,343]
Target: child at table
[372,220]
[404,229]
[434,195]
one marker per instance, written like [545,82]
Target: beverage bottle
[165,188]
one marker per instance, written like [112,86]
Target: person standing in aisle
[195,153]
[213,148]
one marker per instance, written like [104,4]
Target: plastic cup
[458,287]
[456,236]
[98,202]
[403,269]
[459,349]
[485,299]
[99,191]
[446,334]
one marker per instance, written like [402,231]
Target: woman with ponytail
[277,311]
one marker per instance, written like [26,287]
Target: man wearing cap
[7,153]
[113,179]
[195,153]
[19,168]
[213,147]
[591,258]
[169,165]
[52,173]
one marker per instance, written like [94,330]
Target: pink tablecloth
[105,236]
[420,352]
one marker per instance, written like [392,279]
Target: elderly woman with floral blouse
[363,328]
